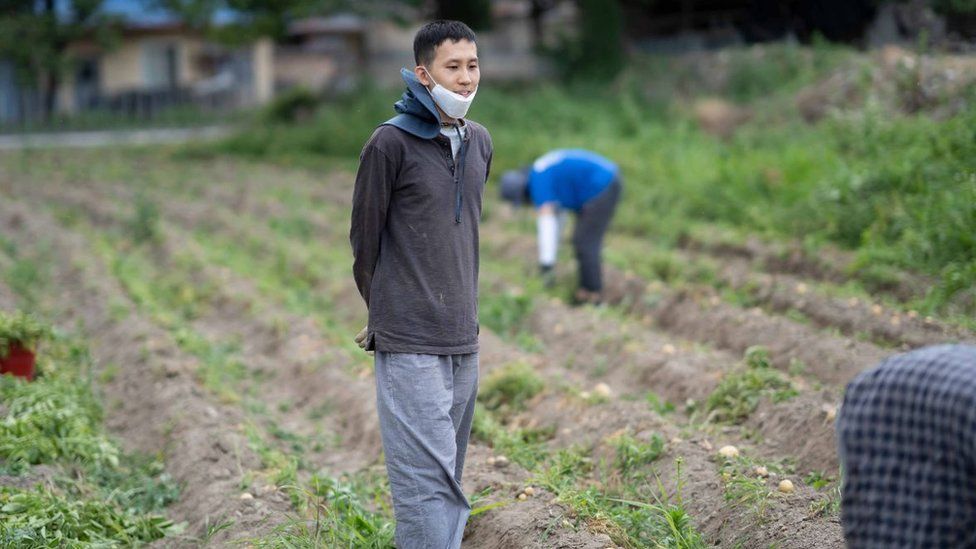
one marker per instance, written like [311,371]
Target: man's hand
[361,337]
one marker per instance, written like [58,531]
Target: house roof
[343,23]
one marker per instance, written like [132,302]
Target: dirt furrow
[155,405]
[784,293]
[828,265]
[634,361]
[698,314]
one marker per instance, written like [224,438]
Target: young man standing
[569,180]
[414,235]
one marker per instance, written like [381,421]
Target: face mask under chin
[453,104]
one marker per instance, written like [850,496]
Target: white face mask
[453,104]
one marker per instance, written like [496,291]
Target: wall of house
[190,49]
[299,68]
[122,69]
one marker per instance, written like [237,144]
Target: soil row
[157,406]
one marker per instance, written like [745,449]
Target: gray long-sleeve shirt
[415,261]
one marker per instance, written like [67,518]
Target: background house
[149,68]
[161,64]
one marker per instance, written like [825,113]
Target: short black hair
[432,34]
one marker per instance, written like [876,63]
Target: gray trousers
[591,224]
[426,404]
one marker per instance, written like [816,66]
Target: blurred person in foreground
[906,437]
[575,180]
[414,235]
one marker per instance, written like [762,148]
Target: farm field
[215,297]
[791,216]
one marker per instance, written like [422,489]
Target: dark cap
[515,186]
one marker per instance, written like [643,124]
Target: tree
[596,49]
[35,35]
[601,46]
[474,13]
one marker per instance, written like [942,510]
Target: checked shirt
[906,437]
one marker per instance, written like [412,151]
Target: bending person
[573,180]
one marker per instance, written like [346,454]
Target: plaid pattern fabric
[907,441]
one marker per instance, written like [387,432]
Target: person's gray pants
[426,404]
[591,224]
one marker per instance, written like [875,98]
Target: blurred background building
[139,58]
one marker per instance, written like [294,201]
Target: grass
[101,119]
[658,404]
[829,504]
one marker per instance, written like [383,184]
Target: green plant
[829,504]
[507,389]
[339,516]
[137,484]
[144,224]
[742,486]
[658,404]
[817,480]
[58,419]
[633,454]
[506,313]
[22,328]
[295,105]
[739,392]
[97,496]
[41,518]
[521,445]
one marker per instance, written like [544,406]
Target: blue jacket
[570,177]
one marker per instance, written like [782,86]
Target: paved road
[110,137]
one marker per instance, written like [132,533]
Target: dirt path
[95,139]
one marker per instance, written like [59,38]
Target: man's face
[455,67]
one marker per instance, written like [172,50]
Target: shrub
[20,328]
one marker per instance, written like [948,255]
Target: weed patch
[507,389]
[739,392]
